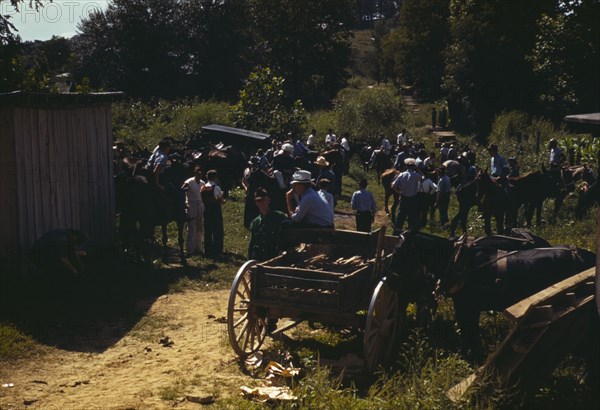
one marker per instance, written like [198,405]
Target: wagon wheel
[382,326]
[247,331]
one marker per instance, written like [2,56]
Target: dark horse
[466,195]
[387,177]
[483,278]
[414,269]
[142,207]
[532,189]
[488,273]
[380,162]
[493,200]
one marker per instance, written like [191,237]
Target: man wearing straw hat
[312,209]
[326,173]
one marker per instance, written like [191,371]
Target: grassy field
[424,366]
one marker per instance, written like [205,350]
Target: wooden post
[597,294]
[378,254]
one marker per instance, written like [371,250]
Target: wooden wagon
[327,276]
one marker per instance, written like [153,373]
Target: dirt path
[137,371]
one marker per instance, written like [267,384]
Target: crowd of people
[292,185]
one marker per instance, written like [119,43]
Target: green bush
[368,112]
[321,121]
[145,124]
[520,135]
[262,106]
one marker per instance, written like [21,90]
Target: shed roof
[34,99]
[260,136]
[591,118]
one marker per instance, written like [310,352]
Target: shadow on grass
[92,314]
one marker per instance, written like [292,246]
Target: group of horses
[501,200]
[141,206]
[489,273]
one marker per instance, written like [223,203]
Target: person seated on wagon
[265,228]
[312,210]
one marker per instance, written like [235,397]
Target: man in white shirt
[402,138]
[195,212]
[311,140]
[426,199]
[330,138]
[385,145]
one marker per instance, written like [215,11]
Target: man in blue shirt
[402,155]
[363,202]
[312,209]
[498,165]
[407,185]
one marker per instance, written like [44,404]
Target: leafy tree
[307,41]
[369,112]
[167,48]
[566,60]
[413,53]
[486,67]
[11,70]
[219,45]
[262,106]
[7,29]
[134,46]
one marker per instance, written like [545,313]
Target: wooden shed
[56,169]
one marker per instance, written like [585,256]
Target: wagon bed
[326,275]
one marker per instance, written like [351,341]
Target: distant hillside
[363,58]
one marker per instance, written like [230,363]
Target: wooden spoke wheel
[382,326]
[246,329]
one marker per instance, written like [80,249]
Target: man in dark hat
[265,228]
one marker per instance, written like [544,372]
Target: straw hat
[322,162]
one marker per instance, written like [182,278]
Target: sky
[58,18]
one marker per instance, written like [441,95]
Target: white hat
[410,161]
[301,177]
[288,147]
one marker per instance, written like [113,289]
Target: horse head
[418,262]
